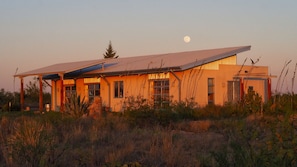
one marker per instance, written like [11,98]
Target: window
[118,89]
[233,91]
[210,90]
[161,93]
[93,91]
[69,91]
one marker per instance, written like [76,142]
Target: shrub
[29,141]
[185,109]
[252,102]
[77,106]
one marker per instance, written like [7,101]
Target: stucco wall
[193,82]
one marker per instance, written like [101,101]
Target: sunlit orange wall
[134,85]
[193,84]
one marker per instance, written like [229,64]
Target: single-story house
[210,76]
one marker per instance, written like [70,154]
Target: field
[180,136]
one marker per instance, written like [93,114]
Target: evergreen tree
[110,53]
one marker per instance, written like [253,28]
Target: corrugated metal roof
[176,61]
[61,68]
[140,64]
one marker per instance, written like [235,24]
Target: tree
[110,53]
[32,92]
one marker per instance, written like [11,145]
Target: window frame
[69,92]
[93,90]
[211,90]
[233,90]
[118,89]
[161,92]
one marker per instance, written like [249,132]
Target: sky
[38,33]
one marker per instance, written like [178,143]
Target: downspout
[22,93]
[109,95]
[40,94]
[179,85]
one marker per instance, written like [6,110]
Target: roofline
[140,71]
[25,74]
[216,57]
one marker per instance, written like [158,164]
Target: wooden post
[62,93]
[269,88]
[109,91]
[40,94]
[22,94]
[241,89]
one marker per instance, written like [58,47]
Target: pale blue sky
[37,33]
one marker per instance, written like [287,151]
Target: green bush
[77,106]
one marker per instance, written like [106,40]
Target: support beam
[109,91]
[22,94]
[40,94]
[241,89]
[269,88]
[62,93]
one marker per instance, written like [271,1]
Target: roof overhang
[61,69]
[215,57]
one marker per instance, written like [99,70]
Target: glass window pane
[97,93]
[161,93]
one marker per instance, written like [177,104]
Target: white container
[47,107]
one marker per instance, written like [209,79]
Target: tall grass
[179,135]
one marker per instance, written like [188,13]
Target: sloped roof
[141,64]
[61,68]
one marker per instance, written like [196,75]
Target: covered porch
[57,73]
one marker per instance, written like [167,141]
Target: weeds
[182,134]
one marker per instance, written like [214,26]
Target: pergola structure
[62,71]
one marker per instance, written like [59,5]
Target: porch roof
[132,65]
[61,68]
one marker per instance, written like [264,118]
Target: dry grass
[43,140]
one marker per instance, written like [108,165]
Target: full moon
[187,39]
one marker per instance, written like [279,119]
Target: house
[205,76]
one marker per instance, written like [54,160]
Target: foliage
[30,140]
[252,102]
[260,141]
[9,101]
[182,134]
[284,103]
[32,92]
[185,109]
[110,52]
[77,106]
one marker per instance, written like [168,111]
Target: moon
[187,39]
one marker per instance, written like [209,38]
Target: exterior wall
[134,85]
[255,76]
[215,65]
[194,82]
[188,84]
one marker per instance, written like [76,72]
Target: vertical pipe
[179,85]
[22,94]
[40,94]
